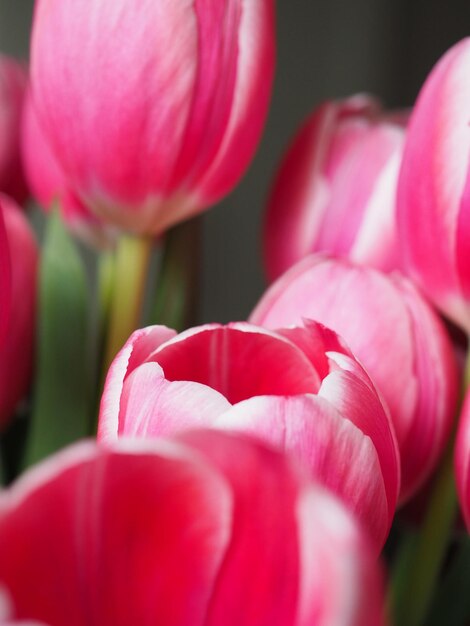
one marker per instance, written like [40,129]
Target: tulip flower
[48,184]
[462,460]
[12,89]
[335,191]
[298,389]
[433,189]
[18,268]
[397,337]
[153,131]
[208,529]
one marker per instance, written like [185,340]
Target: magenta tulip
[49,185]
[154,109]
[18,268]
[335,191]
[208,529]
[397,337]
[462,460]
[12,89]
[433,191]
[298,389]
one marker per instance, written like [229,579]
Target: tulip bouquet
[298,468]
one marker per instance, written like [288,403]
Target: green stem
[429,551]
[177,290]
[131,266]
[425,560]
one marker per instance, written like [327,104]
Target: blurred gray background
[326,49]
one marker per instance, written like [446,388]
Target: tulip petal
[325,531]
[136,350]
[239,361]
[151,406]
[5,278]
[109,537]
[319,435]
[259,578]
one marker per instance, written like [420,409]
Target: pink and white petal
[355,401]
[239,361]
[134,352]
[107,537]
[366,309]
[436,369]
[341,582]
[315,432]
[153,407]
[432,181]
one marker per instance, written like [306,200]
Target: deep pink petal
[238,361]
[16,353]
[259,579]
[315,431]
[109,537]
[462,460]
[5,279]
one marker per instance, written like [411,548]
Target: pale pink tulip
[434,187]
[335,191]
[18,268]
[13,81]
[299,389]
[208,529]
[397,337]
[154,108]
[48,185]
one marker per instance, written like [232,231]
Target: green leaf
[61,406]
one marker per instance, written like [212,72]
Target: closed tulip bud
[397,337]
[18,269]
[335,191]
[299,389]
[153,109]
[434,189]
[206,529]
[13,81]
[49,185]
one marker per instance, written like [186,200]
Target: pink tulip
[462,460]
[335,190]
[154,109]
[395,334]
[12,89]
[18,267]
[433,191]
[298,389]
[206,530]
[49,185]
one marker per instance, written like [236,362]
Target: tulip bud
[19,248]
[397,337]
[298,389]
[335,189]
[206,529]
[49,185]
[153,109]
[12,89]
[433,188]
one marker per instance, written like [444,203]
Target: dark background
[326,49]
